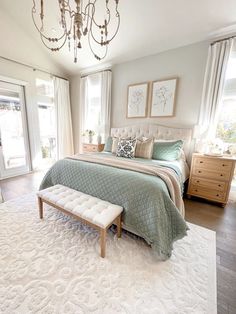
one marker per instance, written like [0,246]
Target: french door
[14,145]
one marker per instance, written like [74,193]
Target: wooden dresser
[89,148]
[210,177]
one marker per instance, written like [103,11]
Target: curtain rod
[98,71]
[32,67]
[219,40]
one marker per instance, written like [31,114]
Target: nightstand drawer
[89,148]
[208,184]
[207,193]
[213,164]
[210,177]
[217,174]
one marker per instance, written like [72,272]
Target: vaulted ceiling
[147,27]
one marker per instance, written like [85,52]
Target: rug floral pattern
[53,266]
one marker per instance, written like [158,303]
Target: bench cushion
[92,209]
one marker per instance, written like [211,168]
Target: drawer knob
[199,171]
[197,181]
[217,195]
[201,162]
[221,175]
[223,165]
[196,190]
[219,185]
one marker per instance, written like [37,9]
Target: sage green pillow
[168,151]
[108,144]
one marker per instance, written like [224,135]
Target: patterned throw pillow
[115,141]
[169,151]
[126,148]
[144,148]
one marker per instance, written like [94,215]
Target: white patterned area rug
[53,266]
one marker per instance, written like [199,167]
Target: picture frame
[137,99]
[163,98]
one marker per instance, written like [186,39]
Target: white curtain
[83,108]
[213,86]
[106,102]
[63,117]
[95,103]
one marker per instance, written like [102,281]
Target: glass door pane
[14,153]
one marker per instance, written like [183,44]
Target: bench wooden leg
[40,202]
[118,222]
[103,233]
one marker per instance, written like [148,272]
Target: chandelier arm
[109,40]
[90,4]
[91,48]
[41,34]
[50,48]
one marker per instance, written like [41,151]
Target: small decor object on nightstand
[89,134]
[92,148]
[211,177]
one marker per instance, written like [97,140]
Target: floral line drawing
[137,100]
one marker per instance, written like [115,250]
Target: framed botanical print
[163,98]
[137,100]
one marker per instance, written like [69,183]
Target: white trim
[94,69]
[13,80]
[9,172]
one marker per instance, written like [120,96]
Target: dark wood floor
[221,220]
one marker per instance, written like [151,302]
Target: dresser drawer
[208,184]
[213,164]
[217,175]
[210,194]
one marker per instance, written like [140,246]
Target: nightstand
[210,177]
[89,148]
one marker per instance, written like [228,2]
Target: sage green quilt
[148,209]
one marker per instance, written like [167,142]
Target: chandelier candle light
[75,22]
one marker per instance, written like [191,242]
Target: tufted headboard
[158,132]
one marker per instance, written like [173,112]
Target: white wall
[187,63]
[19,46]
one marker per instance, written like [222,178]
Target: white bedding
[181,164]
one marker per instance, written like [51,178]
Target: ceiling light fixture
[78,22]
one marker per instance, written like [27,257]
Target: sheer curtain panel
[214,80]
[95,103]
[106,102]
[63,117]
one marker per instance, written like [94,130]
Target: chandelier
[76,22]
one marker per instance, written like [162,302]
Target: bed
[148,190]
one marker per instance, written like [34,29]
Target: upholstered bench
[88,209]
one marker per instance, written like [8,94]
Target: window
[226,128]
[96,105]
[93,110]
[47,121]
